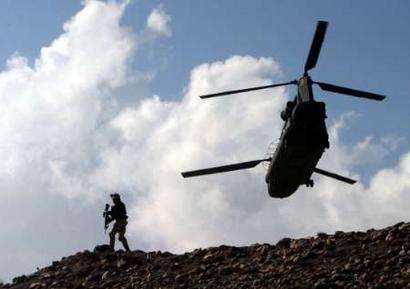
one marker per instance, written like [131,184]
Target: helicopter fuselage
[302,142]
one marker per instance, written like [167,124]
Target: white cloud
[158,22]
[66,141]
[51,115]
[365,152]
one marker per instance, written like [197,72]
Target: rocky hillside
[372,259]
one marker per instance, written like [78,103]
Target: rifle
[106,217]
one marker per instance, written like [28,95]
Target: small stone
[340,284]
[105,275]
[390,236]
[94,277]
[122,263]
[45,276]
[35,285]
[295,259]
[320,284]
[207,256]
[347,266]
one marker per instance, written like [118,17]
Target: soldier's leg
[112,235]
[121,236]
[124,242]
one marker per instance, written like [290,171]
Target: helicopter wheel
[310,183]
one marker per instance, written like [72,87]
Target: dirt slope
[372,259]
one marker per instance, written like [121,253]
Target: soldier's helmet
[115,196]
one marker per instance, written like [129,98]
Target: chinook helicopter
[304,136]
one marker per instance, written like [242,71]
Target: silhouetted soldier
[119,214]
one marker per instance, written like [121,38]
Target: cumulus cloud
[51,115]
[67,140]
[158,21]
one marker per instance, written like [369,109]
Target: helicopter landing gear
[310,183]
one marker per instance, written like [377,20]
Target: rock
[55,263]
[339,234]
[102,248]
[20,279]
[284,242]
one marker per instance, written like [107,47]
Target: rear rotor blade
[222,169]
[349,91]
[247,89]
[316,45]
[334,176]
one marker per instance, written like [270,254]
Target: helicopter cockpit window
[287,112]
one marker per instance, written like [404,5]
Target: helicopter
[304,136]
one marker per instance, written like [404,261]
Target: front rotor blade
[334,176]
[222,169]
[247,89]
[316,45]
[349,91]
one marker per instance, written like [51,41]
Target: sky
[99,97]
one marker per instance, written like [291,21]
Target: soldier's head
[115,198]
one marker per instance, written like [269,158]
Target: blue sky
[367,45]
[111,106]
[367,37]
